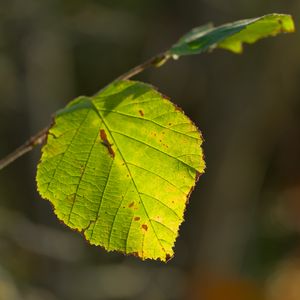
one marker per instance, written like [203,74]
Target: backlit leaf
[231,36]
[120,166]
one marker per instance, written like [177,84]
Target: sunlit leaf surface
[119,167]
[231,36]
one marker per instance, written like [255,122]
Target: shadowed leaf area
[119,167]
[231,36]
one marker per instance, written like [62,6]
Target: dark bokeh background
[240,239]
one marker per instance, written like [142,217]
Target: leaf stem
[156,61]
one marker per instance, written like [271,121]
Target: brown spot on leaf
[131,204]
[106,143]
[141,112]
[198,174]
[145,227]
[177,108]
[103,135]
[137,218]
[168,257]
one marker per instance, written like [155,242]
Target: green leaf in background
[232,36]
[119,167]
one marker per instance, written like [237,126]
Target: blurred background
[240,240]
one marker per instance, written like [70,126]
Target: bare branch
[35,140]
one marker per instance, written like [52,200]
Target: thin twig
[155,61]
[26,147]
[39,138]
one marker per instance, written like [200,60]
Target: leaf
[231,36]
[119,167]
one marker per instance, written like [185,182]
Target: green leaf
[231,36]
[119,167]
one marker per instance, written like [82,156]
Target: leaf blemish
[141,112]
[145,227]
[137,218]
[168,257]
[131,204]
[106,143]
[177,108]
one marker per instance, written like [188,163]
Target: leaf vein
[63,155]
[166,180]
[171,209]
[102,196]
[148,145]
[133,181]
[152,121]
[162,224]
[81,176]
